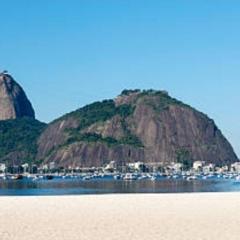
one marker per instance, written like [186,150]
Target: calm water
[64,187]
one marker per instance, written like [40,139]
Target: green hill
[18,139]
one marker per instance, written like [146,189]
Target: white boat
[190,178]
[117,177]
[35,178]
[237,178]
[3,176]
[176,176]
[87,178]
[142,177]
[129,177]
[153,178]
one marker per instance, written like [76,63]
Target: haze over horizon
[66,54]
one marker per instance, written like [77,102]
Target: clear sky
[67,53]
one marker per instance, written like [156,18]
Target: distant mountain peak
[13,100]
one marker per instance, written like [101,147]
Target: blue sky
[67,53]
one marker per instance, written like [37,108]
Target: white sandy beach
[171,216]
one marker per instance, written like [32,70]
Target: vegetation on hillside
[183,156]
[20,135]
[159,100]
[99,112]
[110,141]
[130,91]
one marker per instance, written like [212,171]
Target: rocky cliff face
[13,101]
[147,126]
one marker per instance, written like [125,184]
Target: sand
[159,216]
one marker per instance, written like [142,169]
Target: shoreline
[121,216]
[119,194]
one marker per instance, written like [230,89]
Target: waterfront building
[3,167]
[198,165]
[177,167]
[111,166]
[25,167]
[209,168]
[52,166]
[137,166]
[235,167]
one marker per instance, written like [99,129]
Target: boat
[142,177]
[237,178]
[190,178]
[86,178]
[129,177]
[3,176]
[35,178]
[17,177]
[117,177]
[153,178]
[49,177]
[176,176]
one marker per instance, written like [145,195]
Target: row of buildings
[197,166]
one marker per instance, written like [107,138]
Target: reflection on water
[64,187]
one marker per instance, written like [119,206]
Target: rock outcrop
[13,100]
[147,126]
